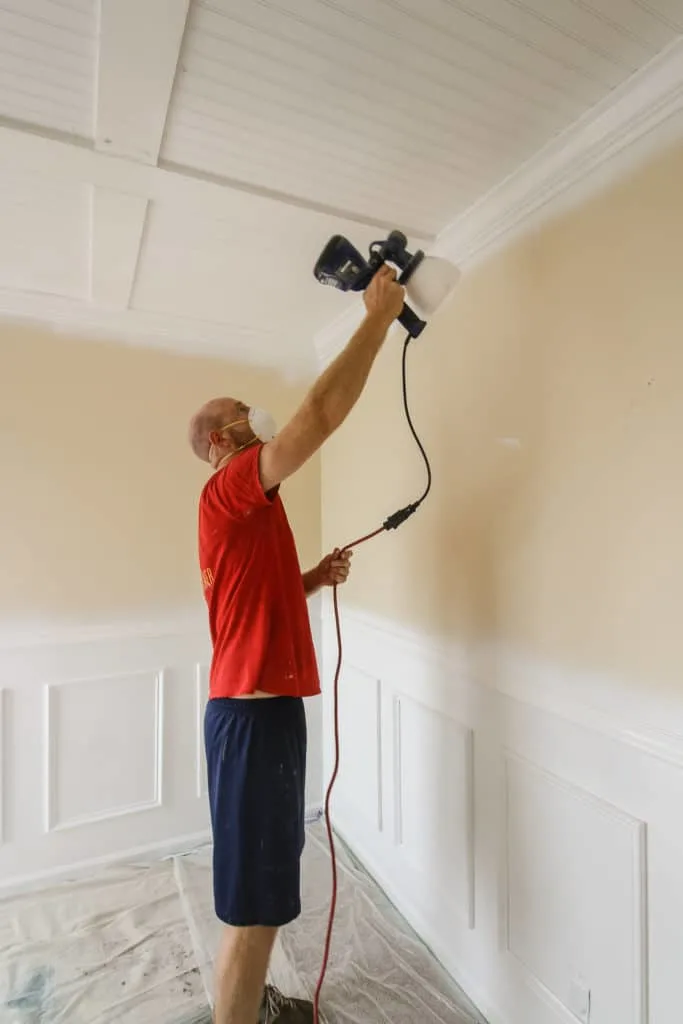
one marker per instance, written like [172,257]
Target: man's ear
[215,437]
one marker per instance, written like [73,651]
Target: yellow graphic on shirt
[207,578]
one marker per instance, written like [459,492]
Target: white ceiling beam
[117,223]
[22,151]
[139,47]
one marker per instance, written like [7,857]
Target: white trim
[466,912]
[519,710]
[27,636]
[380,755]
[116,226]
[652,721]
[630,124]
[52,822]
[638,829]
[159,734]
[313,813]
[132,104]
[3,765]
[201,697]
[397,768]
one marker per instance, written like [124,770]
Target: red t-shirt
[253,587]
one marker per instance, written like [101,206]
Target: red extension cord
[333,779]
[391,523]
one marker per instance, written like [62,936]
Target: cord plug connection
[397,519]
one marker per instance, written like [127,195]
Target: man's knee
[252,942]
[254,936]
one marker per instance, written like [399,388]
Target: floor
[134,943]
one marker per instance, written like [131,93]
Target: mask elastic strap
[247,444]
[235,423]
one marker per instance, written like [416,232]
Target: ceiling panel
[402,110]
[45,237]
[252,272]
[47,63]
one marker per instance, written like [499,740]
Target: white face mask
[262,424]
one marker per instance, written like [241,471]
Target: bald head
[208,422]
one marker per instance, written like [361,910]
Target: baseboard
[314,813]
[152,851]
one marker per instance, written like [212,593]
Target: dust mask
[262,424]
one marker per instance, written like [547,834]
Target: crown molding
[631,124]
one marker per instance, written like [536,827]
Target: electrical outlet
[580,1000]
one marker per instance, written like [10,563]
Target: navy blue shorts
[256,757]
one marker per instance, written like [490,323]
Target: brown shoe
[279,1009]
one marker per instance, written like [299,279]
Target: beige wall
[570,545]
[99,485]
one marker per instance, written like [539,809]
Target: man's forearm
[337,390]
[311,580]
[340,386]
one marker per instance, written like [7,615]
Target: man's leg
[241,966]
[256,758]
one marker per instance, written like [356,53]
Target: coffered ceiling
[169,171]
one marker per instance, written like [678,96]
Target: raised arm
[337,390]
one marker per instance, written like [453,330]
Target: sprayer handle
[411,321]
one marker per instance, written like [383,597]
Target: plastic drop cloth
[114,947]
[134,944]
[379,972]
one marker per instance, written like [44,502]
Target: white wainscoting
[526,820]
[87,779]
[101,744]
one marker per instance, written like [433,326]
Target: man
[264,661]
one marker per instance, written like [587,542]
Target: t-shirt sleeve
[238,486]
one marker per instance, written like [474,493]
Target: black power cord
[395,520]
